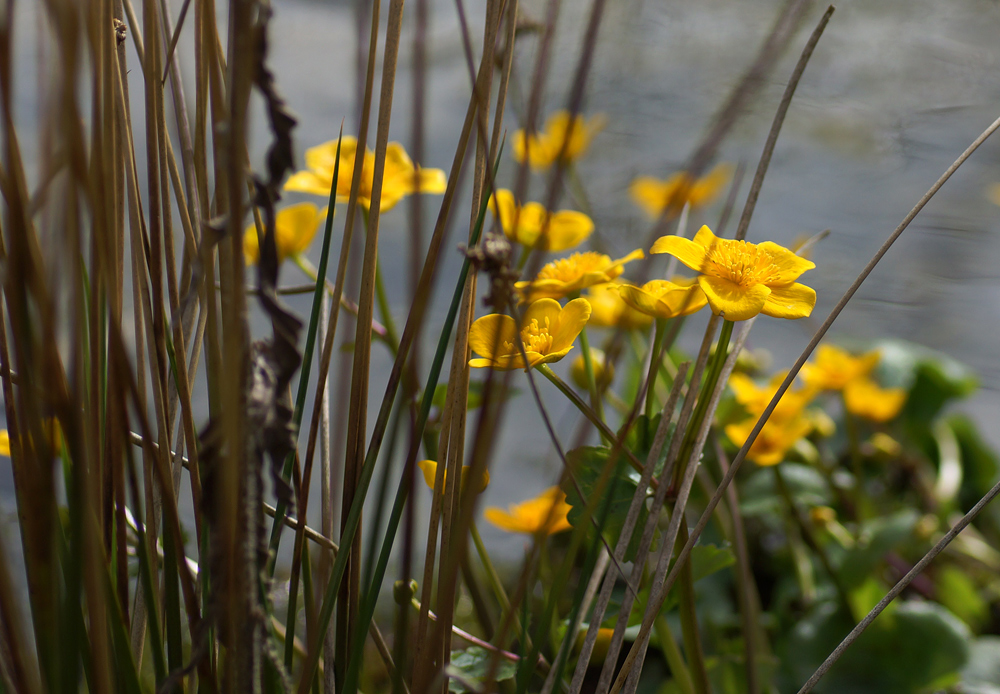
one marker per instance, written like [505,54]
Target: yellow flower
[994,193]
[743,279]
[543,148]
[547,331]
[295,226]
[662,299]
[565,276]
[775,439]
[4,443]
[609,311]
[525,223]
[53,432]
[865,398]
[543,515]
[604,372]
[429,468]
[655,196]
[400,177]
[601,645]
[756,398]
[833,368]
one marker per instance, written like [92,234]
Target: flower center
[573,267]
[744,264]
[535,336]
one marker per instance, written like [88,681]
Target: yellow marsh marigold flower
[756,398]
[655,196]
[548,331]
[400,177]
[609,311]
[543,515]
[295,226]
[774,441]
[524,224]
[665,299]
[601,646]
[865,398]
[429,469]
[743,279]
[542,149]
[604,372]
[566,276]
[833,368]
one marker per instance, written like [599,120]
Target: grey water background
[894,92]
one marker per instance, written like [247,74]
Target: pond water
[894,92]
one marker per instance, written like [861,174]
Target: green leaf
[980,465]
[587,464]
[760,497]
[472,666]
[876,539]
[920,646]
[705,561]
[958,592]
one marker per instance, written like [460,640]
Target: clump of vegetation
[725,530]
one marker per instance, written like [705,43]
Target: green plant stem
[689,621]
[588,365]
[495,584]
[701,410]
[672,654]
[654,363]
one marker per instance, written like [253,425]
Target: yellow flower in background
[865,398]
[429,469]
[774,441]
[604,372]
[524,224]
[994,193]
[400,177]
[295,226]
[743,279]
[833,368]
[53,432]
[543,515]
[656,196]
[543,148]
[610,311]
[665,299]
[601,645]
[756,398]
[548,331]
[565,276]
[4,443]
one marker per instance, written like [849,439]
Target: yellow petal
[705,238]
[296,226]
[707,188]
[537,151]
[864,398]
[785,265]
[732,301]
[569,324]
[688,252]
[324,157]
[251,247]
[545,514]
[504,208]
[489,333]
[641,300]
[4,443]
[544,311]
[429,469]
[567,229]
[683,301]
[310,182]
[528,223]
[793,301]
[432,181]
[652,194]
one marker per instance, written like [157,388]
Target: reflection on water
[895,91]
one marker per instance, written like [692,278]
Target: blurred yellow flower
[565,276]
[295,226]
[525,223]
[4,443]
[865,398]
[743,279]
[401,177]
[833,368]
[756,398]
[774,441]
[543,515]
[994,193]
[53,432]
[548,331]
[543,148]
[680,296]
[604,372]
[601,645]
[429,469]
[610,311]
[655,196]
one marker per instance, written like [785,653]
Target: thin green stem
[495,583]
[689,621]
[672,654]
[654,363]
